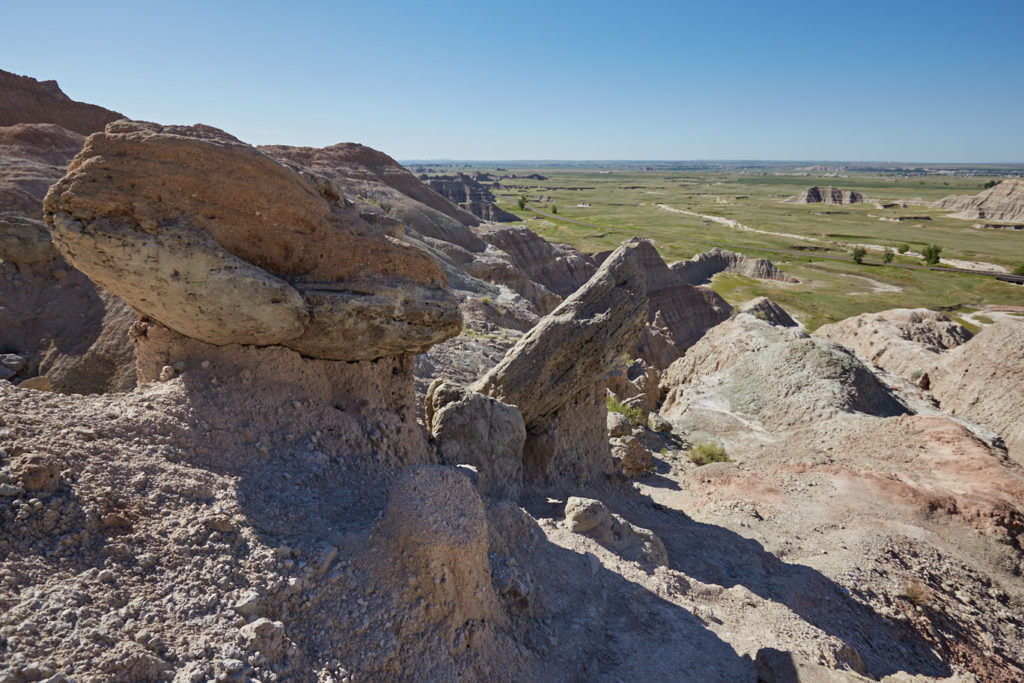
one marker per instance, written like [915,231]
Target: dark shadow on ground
[715,555]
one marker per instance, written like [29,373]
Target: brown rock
[630,456]
[1003,203]
[224,244]
[26,100]
[558,267]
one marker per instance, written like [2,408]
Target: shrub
[916,592]
[931,254]
[858,254]
[554,209]
[704,453]
[522,202]
[991,183]
[887,256]
[634,414]
[1019,270]
[903,248]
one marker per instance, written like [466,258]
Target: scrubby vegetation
[634,414]
[709,452]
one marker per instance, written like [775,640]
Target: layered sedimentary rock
[225,244]
[687,311]
[555,372]
[826,195]
[65,327]
[764,308]
[904,341]
[26,100]
[385,185]
[1003,203]
[701,267]
[468,193]
[558,267]
[982,381]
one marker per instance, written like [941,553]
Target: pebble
[105,576]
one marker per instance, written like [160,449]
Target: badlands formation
[996,206]
[284,413]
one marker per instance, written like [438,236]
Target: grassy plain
[622,203]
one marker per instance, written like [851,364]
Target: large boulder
[224,244]
[555,373]
[472,429]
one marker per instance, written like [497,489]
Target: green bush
[931,254]
[636,416]
[1019,270]
[903,248]
[704,453]
[888,256]
[522,202]
[554,209]
[858,254]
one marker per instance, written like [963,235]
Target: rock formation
[467,192]
[558,267]
[26,100]
[262,255]
[826,195]
[67,329]
[981,380]
[699,269]
[377,179]
[903,341]
[778,377]
[1002,204]
[476,430]
[555,372]
[764,308]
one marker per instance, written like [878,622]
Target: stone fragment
[591,517]
[472,429]
[266,637]
[618,425]
[39,473]
[630,456]
[225,244]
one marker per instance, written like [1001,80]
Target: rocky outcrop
[26,100]
[558,267]
[826,195]
[701,267]
[981,380]
[903,341]
[687,311]
[471,195]
[472,429]
[555,372]
[592,518]
[765,309]
[1002,204]
[65,327]
[224,244]
[778,377]
[367,175]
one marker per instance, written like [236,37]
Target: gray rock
[618,425]
[591,517]
[472,429]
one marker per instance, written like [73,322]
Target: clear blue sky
[911,80]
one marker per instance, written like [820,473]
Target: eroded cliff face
[1003,203]
[26,100]
[471,195]
[826,195]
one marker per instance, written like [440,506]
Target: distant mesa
[467,192]
[826,195]
[701,267]
[1002,204]
[26,100]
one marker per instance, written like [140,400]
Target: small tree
[903,248]
[522,202]
[991,183]
[888,255]
[554,209]
[858,254]
[931,254]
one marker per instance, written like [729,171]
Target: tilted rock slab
[555,373]
[226,245]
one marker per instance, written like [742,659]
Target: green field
[623,203]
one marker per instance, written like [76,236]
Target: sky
[901,80]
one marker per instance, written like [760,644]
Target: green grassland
[623,203]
